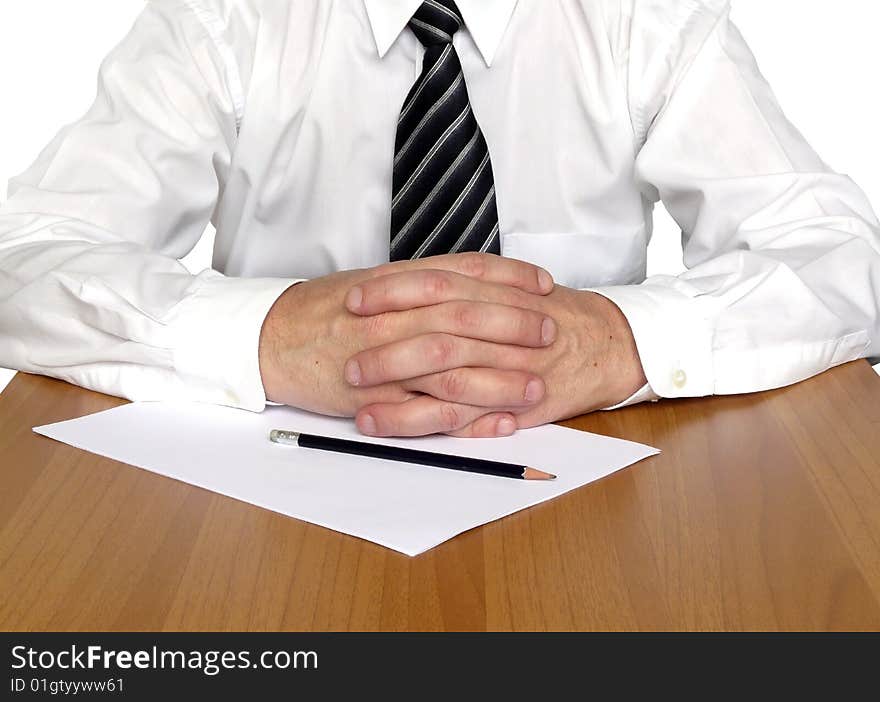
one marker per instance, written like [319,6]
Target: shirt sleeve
[782,254]
[91,289]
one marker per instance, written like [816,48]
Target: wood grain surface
[762,512]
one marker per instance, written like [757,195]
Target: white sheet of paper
[403,507]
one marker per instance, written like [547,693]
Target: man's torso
[309,187]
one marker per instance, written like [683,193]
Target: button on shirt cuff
[217,337]
[673,337]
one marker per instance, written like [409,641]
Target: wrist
[274,337]
[624,373]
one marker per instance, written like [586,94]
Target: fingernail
[368,424]
[355,298]
[548,331]
[506,427]
[533,391]
[545,280]
[353,372]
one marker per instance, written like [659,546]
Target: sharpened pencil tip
[535,474]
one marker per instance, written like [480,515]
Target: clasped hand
[470,345]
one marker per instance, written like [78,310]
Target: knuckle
[382,367]
[339,326]
[382,270]
[520,358]
[442,350]
[515,298]
[382,290]
[376,327]
[474,265]
[437,284]
[453,385]
[466,317]
[450,417]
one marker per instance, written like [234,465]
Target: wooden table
[763,512]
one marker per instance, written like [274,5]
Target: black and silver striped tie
[444,189]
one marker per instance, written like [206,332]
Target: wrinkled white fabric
[276,121]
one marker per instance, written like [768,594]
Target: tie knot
[436,21]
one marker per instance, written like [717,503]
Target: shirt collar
[486,20]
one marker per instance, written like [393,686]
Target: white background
[821,56]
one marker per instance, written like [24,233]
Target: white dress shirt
[276,121]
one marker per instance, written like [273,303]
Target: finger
[485,321]
[422,416]
[489,426]
[425,355]
[486,267]
[481,387]
[422,288]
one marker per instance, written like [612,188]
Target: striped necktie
[443,186]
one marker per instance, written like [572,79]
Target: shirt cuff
[216,331]
[643,394]
[673,336]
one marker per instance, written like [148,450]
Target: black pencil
[424,458]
